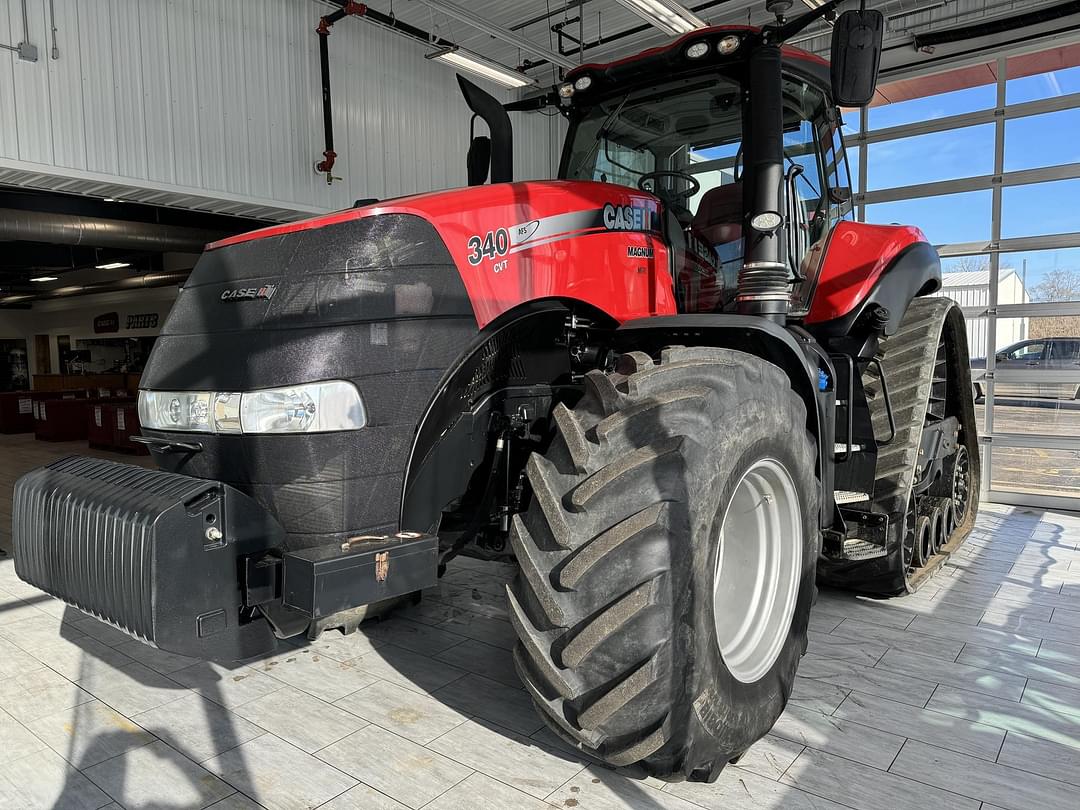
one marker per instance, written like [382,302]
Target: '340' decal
[492,245]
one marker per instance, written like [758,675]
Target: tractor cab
[683,139]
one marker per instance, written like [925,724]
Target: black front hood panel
[377,301]
[346,300]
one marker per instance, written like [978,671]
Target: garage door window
[984,158]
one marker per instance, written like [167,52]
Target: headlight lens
[227,413]
[186,410]
[311,408]
[314,408]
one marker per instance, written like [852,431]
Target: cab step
[855,548]
[843,496]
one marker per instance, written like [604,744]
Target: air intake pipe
[763,284]
[72,229]
[502,132]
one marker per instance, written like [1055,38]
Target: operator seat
[719,215]
[718,222]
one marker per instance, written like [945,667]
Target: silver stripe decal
[537,229]
[560,237]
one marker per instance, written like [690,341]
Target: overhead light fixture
[492,71]
[670,16]
[42,279]
[113,265]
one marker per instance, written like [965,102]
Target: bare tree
[968,264]
[1057,285]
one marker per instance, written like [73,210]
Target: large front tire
[668,561]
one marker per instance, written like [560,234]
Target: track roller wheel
[937,529]
[668,561]
[924,542]
[948,520]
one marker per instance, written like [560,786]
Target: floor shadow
[111,744]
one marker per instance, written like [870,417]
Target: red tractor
[678,385]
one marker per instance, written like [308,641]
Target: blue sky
[1030,143]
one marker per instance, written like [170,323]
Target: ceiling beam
[452,9]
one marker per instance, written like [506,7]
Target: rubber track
[908,358]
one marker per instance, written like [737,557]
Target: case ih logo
[628,218]
[250,293]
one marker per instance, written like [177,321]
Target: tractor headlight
[318,407]
[583,83]
[728,45]
[314,408]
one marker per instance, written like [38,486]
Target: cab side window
[837,172]
[805,167]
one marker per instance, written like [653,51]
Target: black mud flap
[153,553]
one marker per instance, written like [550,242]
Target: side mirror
[856,56]
[999,357]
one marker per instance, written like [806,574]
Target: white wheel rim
[757,570]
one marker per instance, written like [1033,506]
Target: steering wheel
[670,196]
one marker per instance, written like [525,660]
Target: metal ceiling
[66,237]
[541,21]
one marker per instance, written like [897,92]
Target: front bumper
[191,565]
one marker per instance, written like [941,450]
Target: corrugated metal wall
[223,99]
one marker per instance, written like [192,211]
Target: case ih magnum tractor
[676,385]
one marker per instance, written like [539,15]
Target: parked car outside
[1046,354]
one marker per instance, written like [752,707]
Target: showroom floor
[964,695]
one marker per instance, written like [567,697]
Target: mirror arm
[532,103]
[782,33]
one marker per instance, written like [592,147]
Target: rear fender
[792,349]
[863,266]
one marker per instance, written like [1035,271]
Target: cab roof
[655,60]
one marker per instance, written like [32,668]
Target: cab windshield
[683,141]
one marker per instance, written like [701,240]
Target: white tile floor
[965,695]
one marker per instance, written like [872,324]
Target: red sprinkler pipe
[349,9]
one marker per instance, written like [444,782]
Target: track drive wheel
[667,561]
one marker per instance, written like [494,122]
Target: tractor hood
[519,241]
